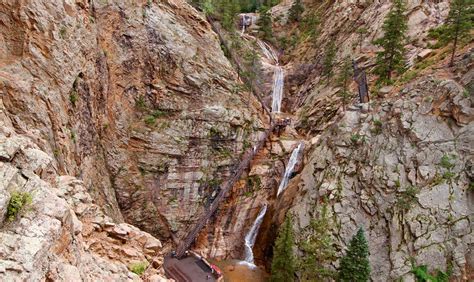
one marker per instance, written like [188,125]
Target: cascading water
[278,76]
[277,94]
[289,168]
[252,236]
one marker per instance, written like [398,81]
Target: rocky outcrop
[402,171]
[61,235]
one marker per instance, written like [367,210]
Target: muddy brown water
[237,271]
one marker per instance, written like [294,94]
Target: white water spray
[268,51]
[289,169]
[277,94]
[252,236]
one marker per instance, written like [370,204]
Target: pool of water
[239,271]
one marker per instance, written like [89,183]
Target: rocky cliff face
[132,103]
[403,171]
[401,166]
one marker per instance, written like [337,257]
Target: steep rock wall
[135,99]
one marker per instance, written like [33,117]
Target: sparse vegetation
[355,138]
[73,97]
[295,11]
[18,203]
[150,120]
[139,267]
[457,27]
[446,161]
[406,199]
[62,32]
[329,56]
[377,129]
[344,79]
[422,275]
[140,103]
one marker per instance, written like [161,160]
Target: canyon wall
[132,106]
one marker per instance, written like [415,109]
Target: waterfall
[278,76]
[277,94]
[268,51]
[252,236]
[289,169]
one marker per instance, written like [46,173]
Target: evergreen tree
[344,79]
[311,26]
[328,64]
[227,10]
[207,6]
[393,41]
[362,32]
[265,23]
[283,264]
[355,264]
[458,24]
[318,249]
[295,11]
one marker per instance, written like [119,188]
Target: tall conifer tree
[459,23]
[392,58]
[330,55]
[295,11]
[283,264]
[355,265]
[265,23]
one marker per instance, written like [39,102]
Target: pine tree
[265,23]
[362,32]
[459,23]
[318,249]
[392,58]
[226,11]
[328,64]
[283,264]
[344,79]
[355,264]
[295,11]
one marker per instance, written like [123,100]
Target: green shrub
[446,161]
[355,138]
[150,120]
[140,103]
[138,268]
[73,97]
[377,129]
[62,32]
[17,204]
[422,275]
[158,113]
[407,198]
